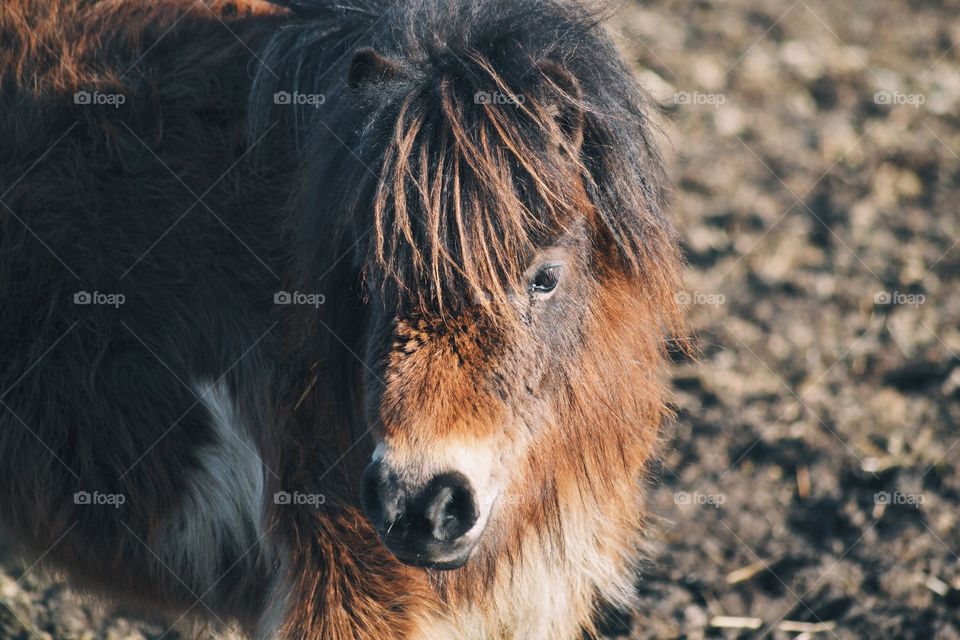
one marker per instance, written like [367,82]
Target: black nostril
[424,528]
[449,506]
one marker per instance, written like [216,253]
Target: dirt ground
[810,485]
[811,476]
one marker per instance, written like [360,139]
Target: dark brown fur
[419,222]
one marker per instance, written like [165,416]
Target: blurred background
[809,486]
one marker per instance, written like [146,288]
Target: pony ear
[566,100]
[369,67]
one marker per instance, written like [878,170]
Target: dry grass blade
[735,622]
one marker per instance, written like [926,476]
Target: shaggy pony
[249,249]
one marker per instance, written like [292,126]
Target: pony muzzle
[433,524]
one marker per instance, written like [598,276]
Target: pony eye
[546,280]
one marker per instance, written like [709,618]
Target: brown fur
[465,195]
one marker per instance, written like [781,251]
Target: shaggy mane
[454,194]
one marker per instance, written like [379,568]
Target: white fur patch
[546,594]
[223,508]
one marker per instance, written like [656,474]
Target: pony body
[249,248]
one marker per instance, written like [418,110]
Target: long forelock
[468,190]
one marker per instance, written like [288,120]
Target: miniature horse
[304,302]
